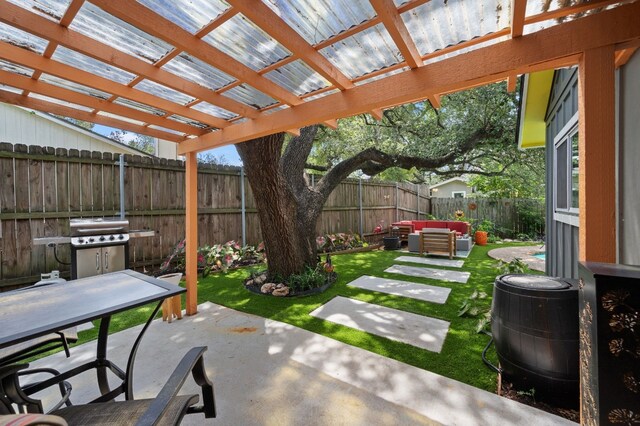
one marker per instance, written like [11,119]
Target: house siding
[562,238]
[629,155]
[447,190]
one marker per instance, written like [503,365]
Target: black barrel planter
[391,243]
[534,322]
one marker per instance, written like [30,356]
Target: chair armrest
[192,362]
[31,419]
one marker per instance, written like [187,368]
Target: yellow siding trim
[534,107]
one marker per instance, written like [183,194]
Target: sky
[229,152]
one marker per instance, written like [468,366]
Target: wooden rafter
[35,86]
[484,65]
[377,113]
[42,27]
[435,101]
[65,21]
[148,21]
[261,15]
[394,24]
[49,66]
[44,106]
[518,12]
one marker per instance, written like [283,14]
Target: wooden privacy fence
[42,188]
[512,216]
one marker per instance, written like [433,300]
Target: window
[567,166]
[458,194]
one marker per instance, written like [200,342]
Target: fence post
[397,204]
[418,196]
[121,162]
[243,209]
[360,204]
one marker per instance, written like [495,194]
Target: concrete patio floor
[270,373]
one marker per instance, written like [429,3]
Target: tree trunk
[287,229]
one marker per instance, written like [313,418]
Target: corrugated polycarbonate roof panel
[10,89]
[438,24]
[105,28]
[250,96]
[381,76]
[188,121]
[140,107]
[319,20]
[59,102]
[15,68]
[85,63]
[321,95]
[22,39]
[60,82]
[195,70]
[364,52]
[244,41]
[121,118]
[191,15]
[216,111]
[164,92]
[297,77]
[164,129]
[50,9]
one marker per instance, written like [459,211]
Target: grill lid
[98,226]
[535,282]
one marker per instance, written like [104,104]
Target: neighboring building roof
[535,90]
[449,181]
[87,132]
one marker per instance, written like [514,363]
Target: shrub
[335,242]
[218,257]
[516,266]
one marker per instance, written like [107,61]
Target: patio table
[33,312]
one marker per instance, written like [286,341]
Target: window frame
[453,194]
[569,214]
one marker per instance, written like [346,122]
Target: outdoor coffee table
[33,312]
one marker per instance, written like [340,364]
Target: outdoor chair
[438,240]
[167,408]
[401,231]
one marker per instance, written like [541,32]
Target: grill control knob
[111,238]
[121,237]
[81,240]
[90,240]
[101,238]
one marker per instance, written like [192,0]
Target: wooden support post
[191,249]
[596,106]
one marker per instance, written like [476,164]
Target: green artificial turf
[459,359]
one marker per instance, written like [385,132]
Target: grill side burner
[98,246]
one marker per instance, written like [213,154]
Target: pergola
[209,73]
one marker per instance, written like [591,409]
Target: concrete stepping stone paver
[413,329]
[431,261]
[436,274]
[428,293]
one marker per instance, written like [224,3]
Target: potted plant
[482,232]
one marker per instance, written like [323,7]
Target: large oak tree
[473,132]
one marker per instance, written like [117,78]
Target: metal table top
[36,311]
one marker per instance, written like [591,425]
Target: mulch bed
[508,391]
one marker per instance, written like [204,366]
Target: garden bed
[332,278]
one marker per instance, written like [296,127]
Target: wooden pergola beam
[33,60]
[148,21]
[597,154]
[434,100]
[49,107]
[518,12]
[261,15]
[45,28]
[52,91]
[512,80]
[485,65]
[191,232]
[394,24]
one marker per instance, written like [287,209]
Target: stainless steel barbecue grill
[98,246]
